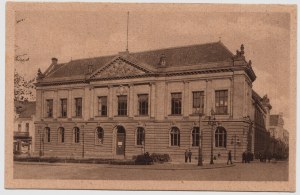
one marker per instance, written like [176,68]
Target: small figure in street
[190,155]
[244,157]
[229,157]
[186,155]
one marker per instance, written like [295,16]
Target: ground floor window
[61,135]
[140,136]
[220,137]
[47,134]
[195,136]
[175,136]
[76,133]
[99,135]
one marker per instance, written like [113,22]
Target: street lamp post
[200,161]
[82,127]
[212,122]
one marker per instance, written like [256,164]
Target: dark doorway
[121,137]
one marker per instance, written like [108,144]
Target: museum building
[157,101]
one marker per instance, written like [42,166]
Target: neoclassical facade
[123,105]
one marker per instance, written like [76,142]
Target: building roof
[25,109]
[176,56]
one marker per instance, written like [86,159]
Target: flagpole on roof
[127,30]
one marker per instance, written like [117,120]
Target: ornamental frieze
[118,68]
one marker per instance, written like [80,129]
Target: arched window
[99,135]
[47,134]
[61,134]
[175,136]
[140,136]
[76,134]
[195,136]
[220,137]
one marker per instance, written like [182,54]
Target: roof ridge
[175,47]
[151,50]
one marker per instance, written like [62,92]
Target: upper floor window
[27,127]
[63,107]
[175,136]
[49,108]
[47,134]
[221,102]
[102,106]
[176,103]
[195,136]
[61,134]
[99,135]
[198,102]
[122,105]
[19,127]
[140,136]
[76,134]
[143,104]
[220,137]
[78,107]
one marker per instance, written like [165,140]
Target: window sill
[175,115]
[196,114]
[77,117]
[124,116]
[101,116]
[141,115]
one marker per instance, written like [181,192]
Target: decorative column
[92,102]
[55,103]
[131,100]
[69,106]
[166,100]
[185,104]
[110,101]
[86,100]
[43,105]
[208,97]
[39,102]
[152,100]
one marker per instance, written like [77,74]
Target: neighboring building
[119,106]
[280,136]
[24,127]
[261,115]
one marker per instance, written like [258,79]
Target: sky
[75,34]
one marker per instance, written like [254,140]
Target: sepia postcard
[150,96]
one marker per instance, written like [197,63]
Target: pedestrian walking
[244,157]
[190,155]
[229,157]
[186,155]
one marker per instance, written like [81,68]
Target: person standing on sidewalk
[186,155]
[190,155]
[229,157]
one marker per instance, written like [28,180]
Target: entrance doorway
[120,141]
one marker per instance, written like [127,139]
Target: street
[254,171]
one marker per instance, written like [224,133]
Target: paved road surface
[240,172]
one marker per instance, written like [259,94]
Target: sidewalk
[164,166]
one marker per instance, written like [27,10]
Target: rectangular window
[102,106]
[49,108]
[122,105]
[19,127]
[221,102]
[78,107]
[63,108]
[143,104]
[198,102]
[176,103]
[27,127]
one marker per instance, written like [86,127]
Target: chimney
[54,61]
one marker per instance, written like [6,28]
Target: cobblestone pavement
[254,171]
